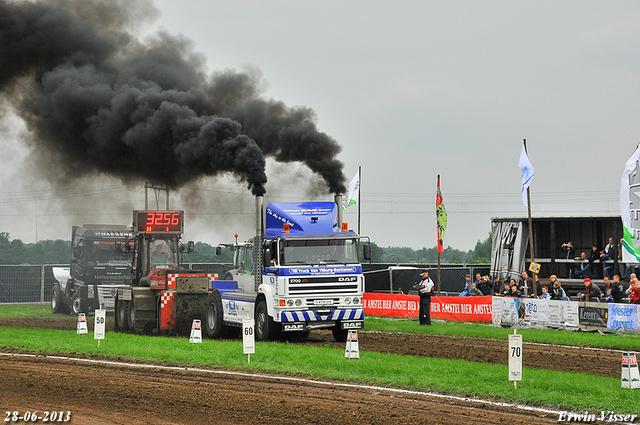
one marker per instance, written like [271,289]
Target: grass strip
[558,390]
[629,342]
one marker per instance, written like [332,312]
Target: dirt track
[100,393]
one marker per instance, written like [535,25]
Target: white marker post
[515,358]
[630,375]
[82,324]
[351,350]
[99,326]
[248,338]
[196,332]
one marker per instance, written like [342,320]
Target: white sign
[196,332]
[515,357]
[623,317]
[504,310]
[82,324]
[537,310]
[630,375]
[98,329]
[248,338]
[351,350]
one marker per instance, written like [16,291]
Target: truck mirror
[266,259]
[190,247]
[218,250]
[366,248]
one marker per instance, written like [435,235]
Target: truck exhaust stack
[257,242]
[338,200]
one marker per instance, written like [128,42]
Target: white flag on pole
[527,174]
[352,197]
[629,205]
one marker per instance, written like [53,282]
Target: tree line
[59,252]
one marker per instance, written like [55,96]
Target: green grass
[17,311]
[629,342]
[558,390]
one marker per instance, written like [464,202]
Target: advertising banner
[504,310]
[592,314]
[623,317]
[562,313]
[536,309]
[463,309]
[391,305]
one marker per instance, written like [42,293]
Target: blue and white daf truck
[300,272]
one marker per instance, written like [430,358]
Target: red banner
[457,309]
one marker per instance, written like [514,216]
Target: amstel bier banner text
[466,309]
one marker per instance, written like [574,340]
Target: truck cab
[161,294]
[302,273]
[97,268]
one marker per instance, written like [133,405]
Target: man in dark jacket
[569,253]
[591,291]
[617,289]
[526,285]
[609,252]
[594,257]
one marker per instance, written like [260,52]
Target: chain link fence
[32,284]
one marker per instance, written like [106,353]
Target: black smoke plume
[99,100]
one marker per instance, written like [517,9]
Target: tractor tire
[214,323]
[340,335]
[76,305]
[131,317]
[122,315]
[55,299]
[266,328]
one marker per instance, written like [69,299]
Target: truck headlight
[298,302]
[356,300]
[347,301]
[290,303]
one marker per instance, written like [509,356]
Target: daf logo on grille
[348,279]
[294,327]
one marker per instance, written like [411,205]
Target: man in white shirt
[425,287]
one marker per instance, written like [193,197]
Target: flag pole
[438,243]
[359,197]
[535,290]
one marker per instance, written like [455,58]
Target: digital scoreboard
[158,221]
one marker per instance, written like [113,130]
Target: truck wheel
[55,299]
[131,318]
[340,335]
[122,314]
[266,328]
[76,305]
[215,313]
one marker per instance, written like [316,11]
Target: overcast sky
[410,90]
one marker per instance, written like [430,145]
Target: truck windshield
[106,252]
[320,251]
[163,252]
